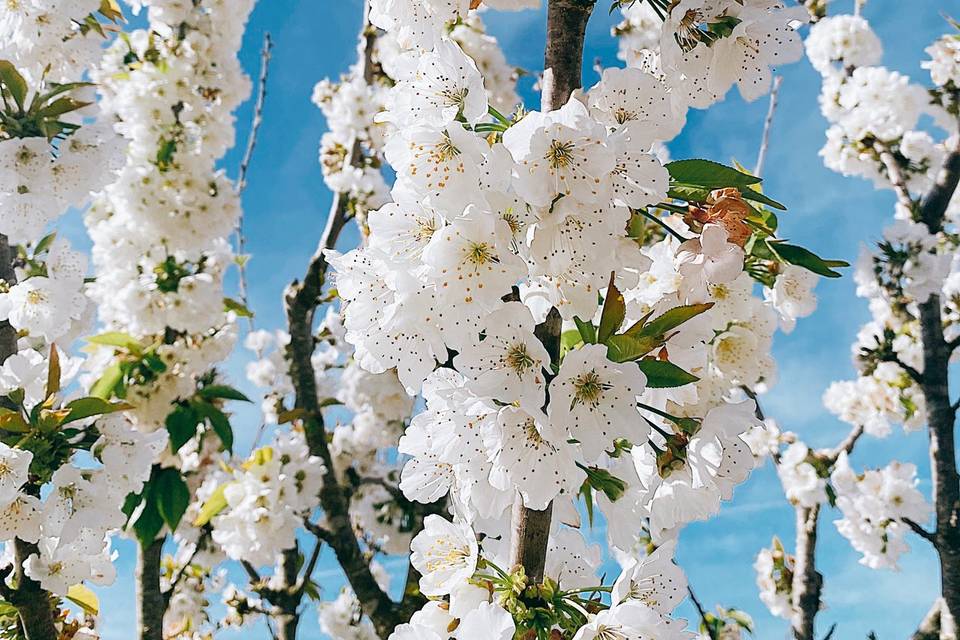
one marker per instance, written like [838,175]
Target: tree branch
[920,531]
[702,613]
[941,415]
[563,70]
[301,301]
[767,126]
[239,237]
[895,176]
[807,581]
[151,603]
[846,446]
[33,604]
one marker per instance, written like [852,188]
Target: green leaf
[569,339]
[223,391]
[750,194]
[229,304]
[44,243]
[87,600]
[587,331]
[181,425]
[664,375]
[92,406]
[614,311]
[61,106]
[107,385]
[216,503]
[624,347]
[218,420]
[688,192]
[604,481]
[669,320]
[12,421]
[53,372]
[11,79]
[707,173]
[173,496]
[117,339]
[808,260]
[587,494]
[149,522]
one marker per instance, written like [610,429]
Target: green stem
[669,207]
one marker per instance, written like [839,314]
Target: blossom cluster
[65,466]
[875,506]
[160,230]
[491,238]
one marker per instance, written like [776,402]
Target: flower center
[519,359]
[446,554]
[588,387]
[609,633]
[560,154]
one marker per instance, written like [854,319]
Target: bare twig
[702,613]
[920,531]
[847,444]
[767,126]
[895,176]
[239,237]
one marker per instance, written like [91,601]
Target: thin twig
[239,237]
[767,126]
[311,564]
[846,446]
[656,219]
[929,536]
[896,177]
[183,569]
[702,613]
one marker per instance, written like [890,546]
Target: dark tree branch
[702,613]
[846,446]
[562,75]
[301,300]
[151,603]
[807,581]
[941,415]
[33,604]
[920,531]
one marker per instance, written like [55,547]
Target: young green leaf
[587,331]
[664,375]
[106,386]
[614,311]
[181,426]
[216,503]
[212,391]
[807,259]
[669,320]
[173,496]
[707,173]
[92,406]
[624,347]
[13,82]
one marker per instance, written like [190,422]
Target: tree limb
[920,531]
[807,581]
[562,74]
[767,126]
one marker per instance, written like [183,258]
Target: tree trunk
[941,415]
[150,600]
[32,602]
[807,581]
[562,74]
[8,336]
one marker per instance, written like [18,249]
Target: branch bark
[33,604]
[941,415]
[807,581]
[562,75]
[151,602]
[301,300]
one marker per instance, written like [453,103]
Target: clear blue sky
[286,204]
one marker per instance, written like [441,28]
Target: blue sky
[285,207]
